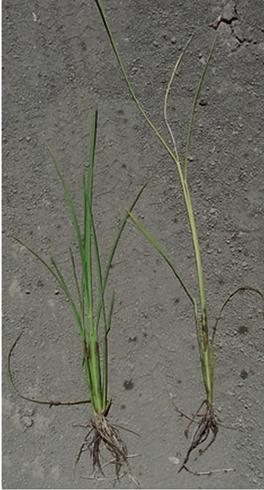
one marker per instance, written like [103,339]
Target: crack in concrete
[230,17]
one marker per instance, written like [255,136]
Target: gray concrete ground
[57,66]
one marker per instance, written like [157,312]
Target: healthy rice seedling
[205,418]
[90,312]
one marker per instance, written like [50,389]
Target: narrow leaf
[132,92]
[70,203]
[165,109]
[114,247]
[195,101]
[68,295]
[111,310]
[163,254]
[88,197]
[76,280]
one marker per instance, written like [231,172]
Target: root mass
[103,433]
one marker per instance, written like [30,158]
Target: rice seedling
[90,313]
[205,418]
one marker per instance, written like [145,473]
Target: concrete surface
[57,65]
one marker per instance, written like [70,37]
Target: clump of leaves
[90,312]
[205,417]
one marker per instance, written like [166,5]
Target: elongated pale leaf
[111,310]
[37,256]
[163,254]
[99,273]
[88,197]
[101,289]
[165,109]
[67,292]
[195,101]
[58,276]
[114,247]
[183,182]
[76,280]
[91,342]
[132,92]
[70,203]
[102,303]
[92,147]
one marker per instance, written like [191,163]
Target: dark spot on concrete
[123,165]
[83,45]
[145,335]
[128,384]
[221,281]
[193,347]
[175,220]
[179,381]
[123,406]
[120,112]
[176,301]
[28,291]
[40,284]
[125,120]
[244,374]
[203,102]
[132,339]
[243,330]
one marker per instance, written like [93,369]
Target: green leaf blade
[156,245]
[194,105]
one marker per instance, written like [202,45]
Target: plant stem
[202,325]
[203,335]
[95,372]
[197,254]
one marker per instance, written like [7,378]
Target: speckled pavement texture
[57,66]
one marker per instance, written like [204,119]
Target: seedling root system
[104,434]
[205,432]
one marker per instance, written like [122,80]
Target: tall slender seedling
[207,426]
[90,288]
